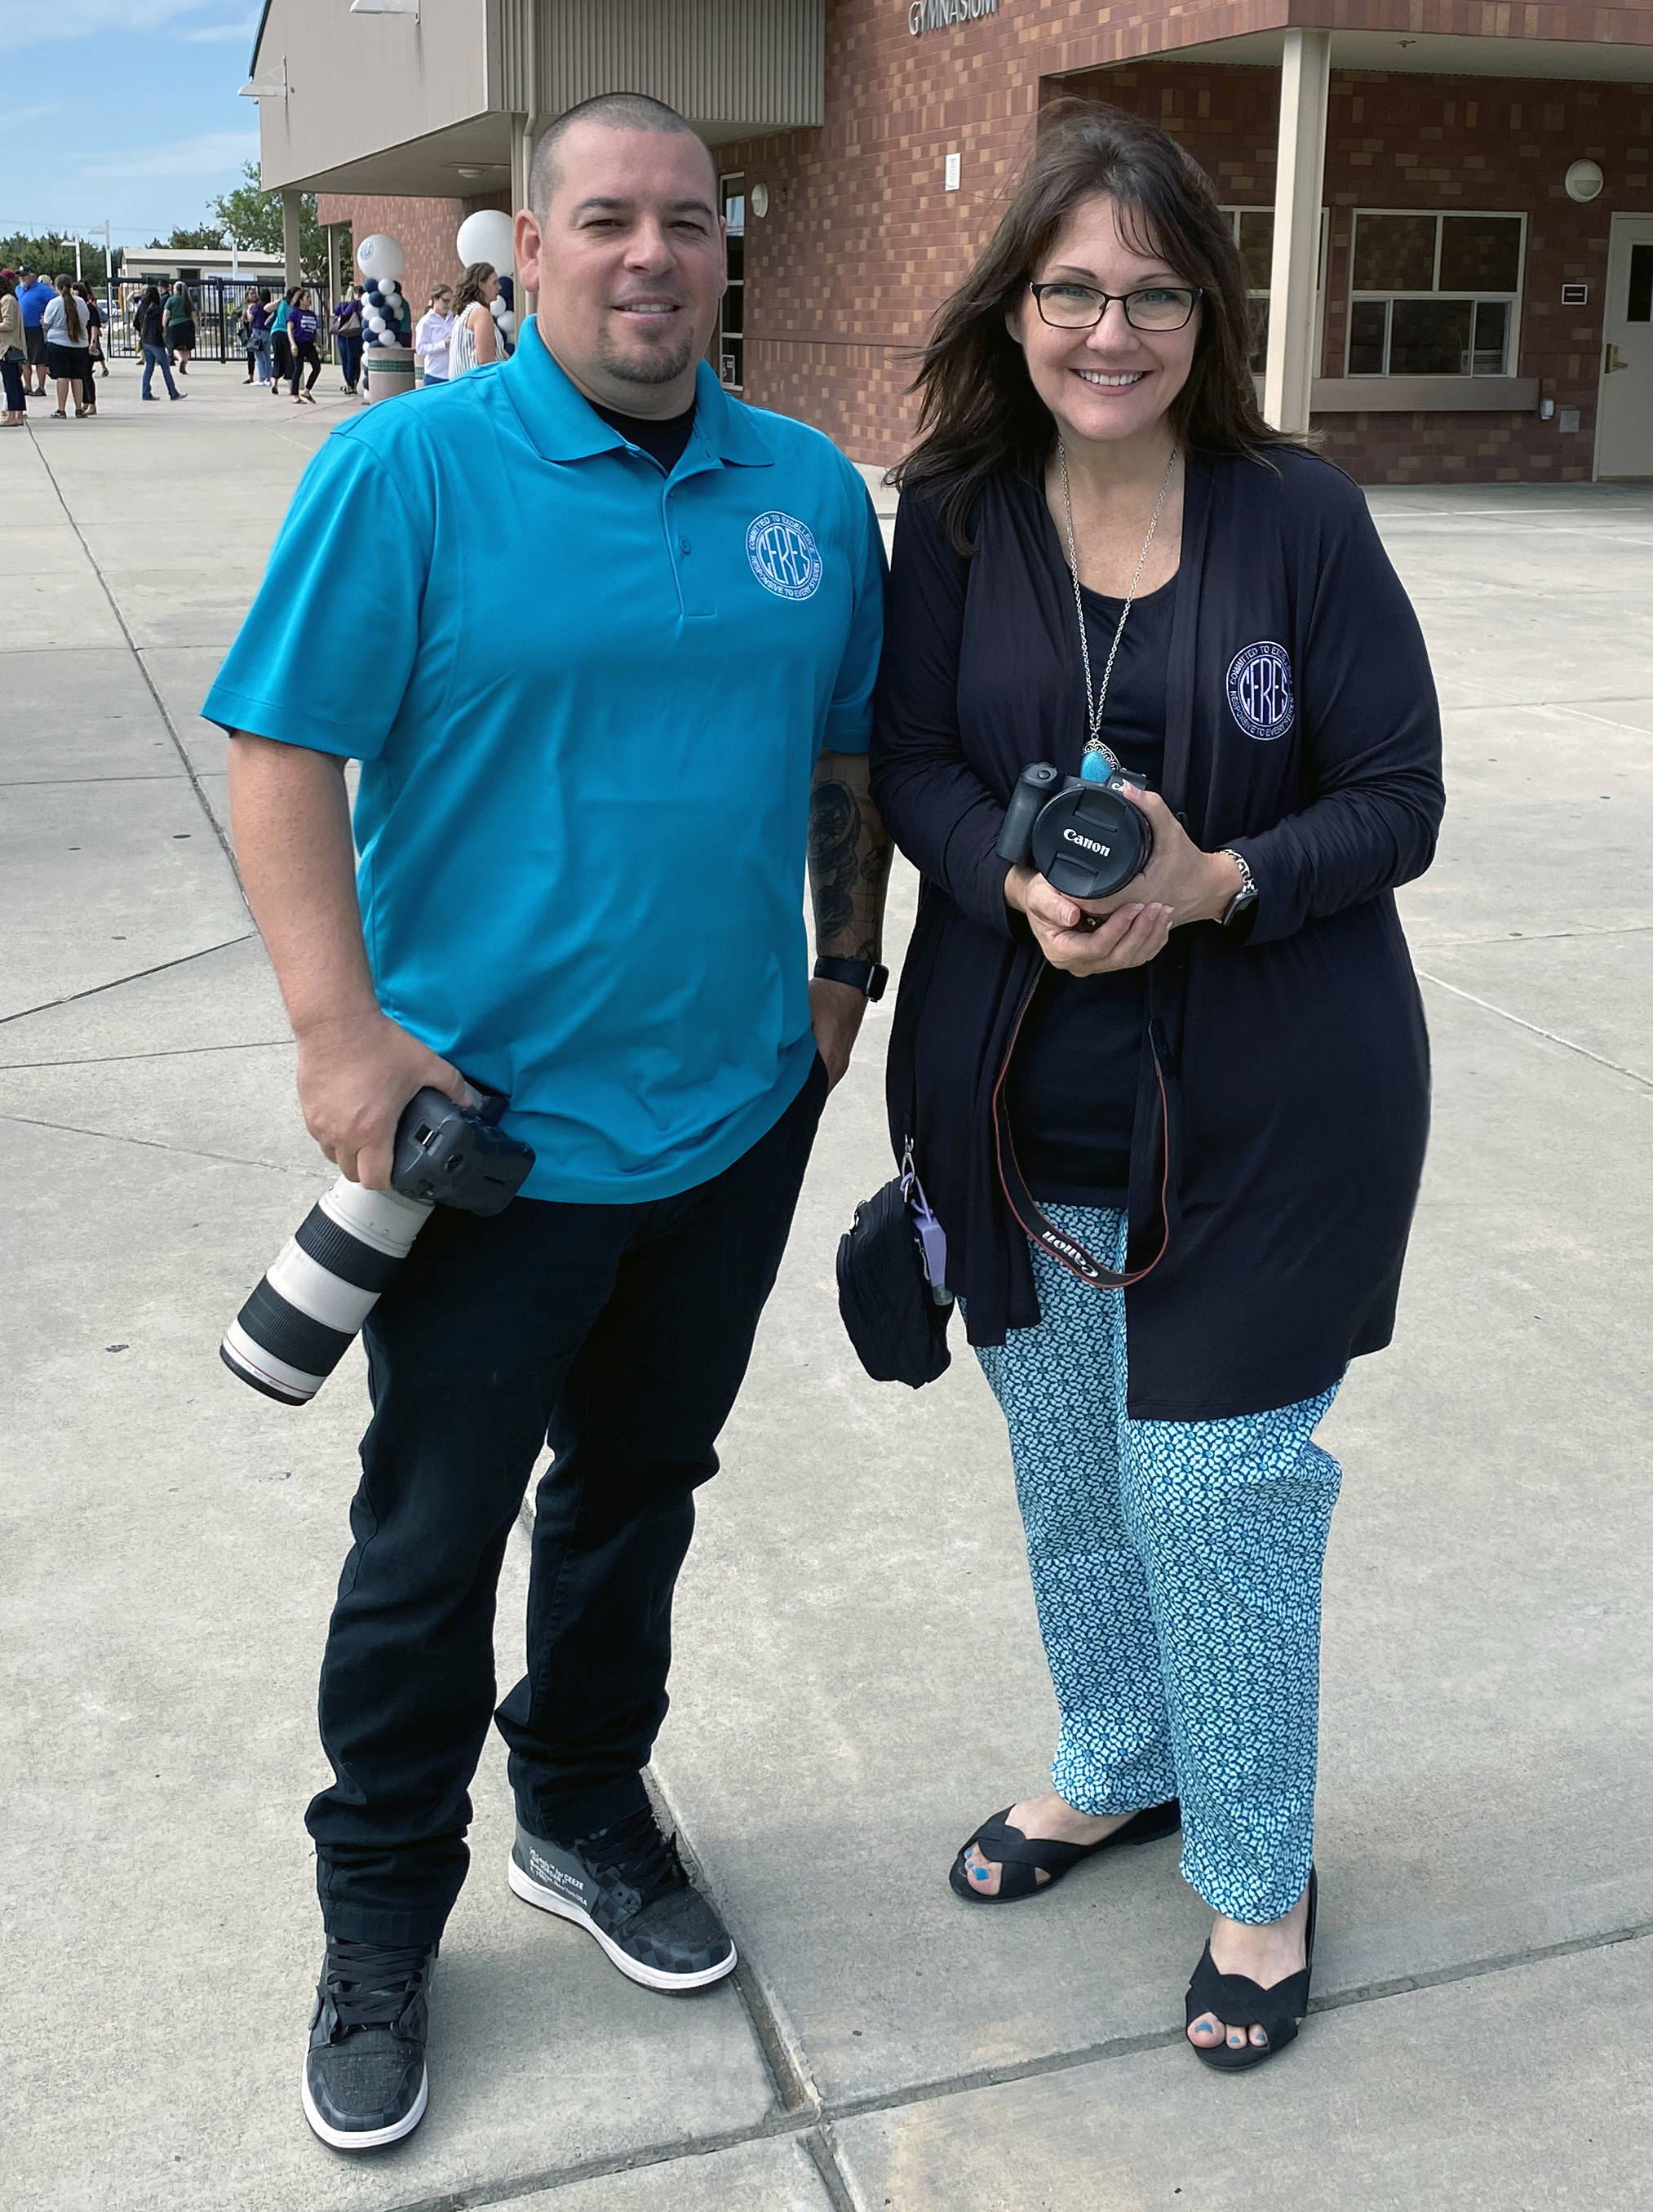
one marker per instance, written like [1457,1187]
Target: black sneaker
[365,2082]
[626,1885]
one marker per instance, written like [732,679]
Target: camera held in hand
[1081,834]
[302,1319]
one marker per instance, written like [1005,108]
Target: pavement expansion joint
[113,1058]
[196,786]
[115,982]
[1534,1030]
[58,782]
[814,2125]
[156,1144]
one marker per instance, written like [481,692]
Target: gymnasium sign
[946,14]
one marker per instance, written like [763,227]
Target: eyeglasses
[1067,306]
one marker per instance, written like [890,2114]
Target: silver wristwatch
[1236,915]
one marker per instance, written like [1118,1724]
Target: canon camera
[1081,834]
[302,1319]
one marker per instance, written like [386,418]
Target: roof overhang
[430,105]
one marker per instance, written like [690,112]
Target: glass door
[732,342]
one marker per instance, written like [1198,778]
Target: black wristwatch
[861,975]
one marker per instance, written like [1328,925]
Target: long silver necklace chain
[1095,704]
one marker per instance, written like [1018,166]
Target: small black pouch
[896,1322]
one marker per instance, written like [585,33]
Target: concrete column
[1305,74]
[290,238]
[525,129]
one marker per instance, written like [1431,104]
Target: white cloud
[211,33]
[206,156]
[25,23]
[16,115]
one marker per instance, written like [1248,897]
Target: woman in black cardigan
[1192,1115]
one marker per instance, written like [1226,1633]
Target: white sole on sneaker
[533,1893]
[367,2138]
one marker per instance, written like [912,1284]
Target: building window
[1434,295]
[1254,234]
[731,342]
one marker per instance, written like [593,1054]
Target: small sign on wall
[950,173]
[1574,295]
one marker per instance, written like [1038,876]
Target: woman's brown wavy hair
[979,411]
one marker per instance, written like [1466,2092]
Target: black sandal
[1241,2003]
[1017,1856]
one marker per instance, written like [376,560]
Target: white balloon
[375,323]
[508,324]
[379,256]
[486,236]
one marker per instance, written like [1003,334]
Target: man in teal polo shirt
[604,640]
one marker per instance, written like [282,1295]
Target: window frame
[1512,300]
[1232,216]
[732,185]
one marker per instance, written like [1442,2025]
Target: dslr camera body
[1085,838]
[303,1316]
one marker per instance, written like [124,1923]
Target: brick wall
[425,229]
[862,243]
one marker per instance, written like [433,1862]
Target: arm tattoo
[849,853]
[835,825]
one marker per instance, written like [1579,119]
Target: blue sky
[121,109]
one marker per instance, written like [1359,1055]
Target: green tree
[54,255]
[251,217]
[205,238]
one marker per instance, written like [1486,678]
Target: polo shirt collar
[560,426]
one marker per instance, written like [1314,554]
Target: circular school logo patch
[785,558]
[1260,690]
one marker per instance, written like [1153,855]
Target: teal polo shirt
[587,699]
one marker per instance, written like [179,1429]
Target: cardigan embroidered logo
[1260,690]
[784,557]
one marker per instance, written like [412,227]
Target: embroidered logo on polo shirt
[1260,690]
[785,558]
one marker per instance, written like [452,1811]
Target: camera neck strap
[1068,1251]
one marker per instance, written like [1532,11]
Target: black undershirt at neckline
[664,440]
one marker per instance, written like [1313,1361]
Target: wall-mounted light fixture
[1584,181]
[950,174]
[386,8]
[758,200]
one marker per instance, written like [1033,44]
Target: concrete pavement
[858,1678]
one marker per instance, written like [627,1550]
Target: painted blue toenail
[978,1874]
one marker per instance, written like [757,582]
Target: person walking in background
[258,321]
[95,317]
[347,337]
[33,294]
[281,349]
[14,354]
[180,327]
[244,337]
[301,339]
[474,342]
[68,347]
[150,321]
[1174,1133]
[431,339]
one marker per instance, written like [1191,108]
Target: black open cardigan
[1295,1065]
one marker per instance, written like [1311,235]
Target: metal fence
[218,301]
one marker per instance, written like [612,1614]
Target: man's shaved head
[613,111]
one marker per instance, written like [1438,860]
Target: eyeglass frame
[1196,292]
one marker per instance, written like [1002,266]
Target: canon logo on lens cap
[1089,843]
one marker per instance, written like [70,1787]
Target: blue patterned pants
[1176,1570]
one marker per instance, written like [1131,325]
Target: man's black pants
[619,1335]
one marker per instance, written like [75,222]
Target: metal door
[1624,434]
